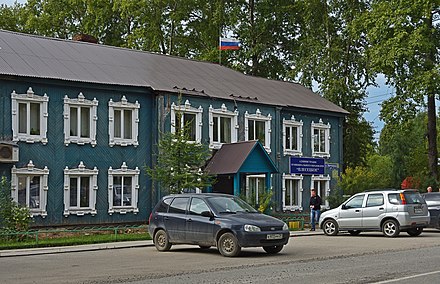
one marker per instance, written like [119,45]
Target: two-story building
[81,121]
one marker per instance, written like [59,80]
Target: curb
[104,246]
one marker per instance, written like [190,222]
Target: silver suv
[388,211]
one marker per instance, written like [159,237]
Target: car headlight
[251,228]
[285,227]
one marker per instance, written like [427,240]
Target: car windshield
[432,197]
[230,205]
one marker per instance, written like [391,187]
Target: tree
[179,162]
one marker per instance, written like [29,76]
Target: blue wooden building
[80,121]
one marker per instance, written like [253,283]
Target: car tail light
[402,198]
[149,218]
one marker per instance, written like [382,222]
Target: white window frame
[121,106]
[124,172]
[267,128]
[187,108]
[293,124]
[259,176]
[222,112]
[298,205]
[321,126]
[81,171]
[27,99]
[80,102]
[29,171]
[326,190]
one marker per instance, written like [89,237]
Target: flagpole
[220,14]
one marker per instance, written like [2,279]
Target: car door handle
[166,218]
[189,220]
[357,210]
[381,208]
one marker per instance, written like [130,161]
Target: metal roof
[42,57]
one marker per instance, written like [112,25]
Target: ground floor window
[80,187]
[292,192]
[322,185]
[254,189]
[123,189]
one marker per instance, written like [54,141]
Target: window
[292,136]
[185,115]
[355,202]
[80,116]
[80,187]
[164,204]
[292,192]
[255,188]
[123,190]
[322,185]
[223,125]
[29,117]
[198,206]
[374,200]
[320,139]
[29,188]
[123,120]
[257,127]
[178,205]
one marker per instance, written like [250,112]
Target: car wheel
[204,247]
[390,228]
[228,245]
[273,249]
[161,241]
[354,232]
[330,227]
[414,232]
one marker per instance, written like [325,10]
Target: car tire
[273,249]
[204,247]
[161,241]
[354,232]
[228,245]
[390,228]
[330,227]
[414,232]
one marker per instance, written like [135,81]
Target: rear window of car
[163,205]
[178,205]
[432,197]
[413,197]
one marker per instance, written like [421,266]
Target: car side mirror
[207,214]
[343,207]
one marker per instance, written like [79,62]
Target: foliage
[264,198]
[13,217]
[336,197]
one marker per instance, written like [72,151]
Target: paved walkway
[115,245]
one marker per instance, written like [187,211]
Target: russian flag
[229,44]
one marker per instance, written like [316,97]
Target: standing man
[315,208]
[429,189]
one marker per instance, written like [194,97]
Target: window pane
[295,138]
[34,191]
[117,190]
[316,140]
[35,119]
[126,190]
[261,186]
[118,123]
[85,122]
[260,131]
[85,192]
[288,145]
[22,118]
[127,124]
[322,140]
[73,121]
[215,130]
[73,192]
[374,200]
[225,130]
[198,206]
[189,120]
[22,190]
[251,129]
[295,189]
[178,205]
[288,193]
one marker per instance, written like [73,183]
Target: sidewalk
[116,245]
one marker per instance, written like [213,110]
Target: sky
[375,94]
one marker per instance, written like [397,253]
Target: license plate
[274,236]
[418,210]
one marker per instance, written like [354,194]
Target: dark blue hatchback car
[210,219]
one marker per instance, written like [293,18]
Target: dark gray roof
[41,57]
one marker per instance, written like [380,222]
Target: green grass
[71,240]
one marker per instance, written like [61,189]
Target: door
[350,214]
[175,220]
[200,229]
[374,211]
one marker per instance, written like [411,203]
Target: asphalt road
[368,258]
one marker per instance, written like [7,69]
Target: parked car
[210,219]
[433,201]
[388,211]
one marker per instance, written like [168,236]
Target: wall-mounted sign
[307,166]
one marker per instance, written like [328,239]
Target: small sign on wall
[307,166]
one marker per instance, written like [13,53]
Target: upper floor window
[292,136]
[80,116]
[257,127]
[320,139]
[80,187]
[29,117]
[292,192]
[322,185]
[123,120]
[29,188]
[185,116]
[223,125]
[123,190]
